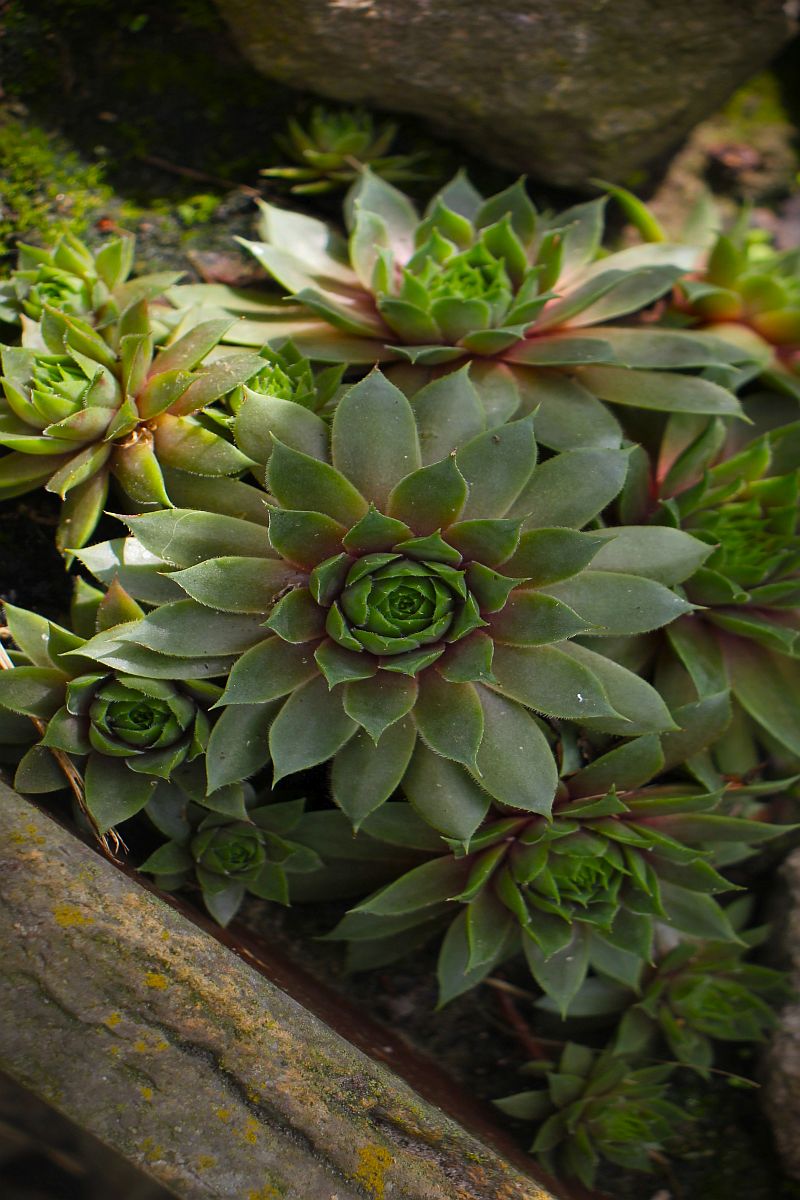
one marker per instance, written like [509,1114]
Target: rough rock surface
[781,1090]
[561,91]
[159,1040]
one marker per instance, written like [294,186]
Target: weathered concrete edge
[153,1036]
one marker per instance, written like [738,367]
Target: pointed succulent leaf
[449,717]
[615,603]
[431,498]
[299,481]
[183,537]
[497,465]
[309,729]
[374,438]
[366,772]
[571,488]
[271,669]
[444,795]
[236,584]
[515,762]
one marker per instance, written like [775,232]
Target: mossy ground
[140,115]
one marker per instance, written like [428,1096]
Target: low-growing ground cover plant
[467,594]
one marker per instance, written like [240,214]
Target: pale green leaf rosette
[412,610]
[108,402]
[527,298]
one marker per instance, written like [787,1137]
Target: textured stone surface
[156,1038]
[562,91]
[781,1090]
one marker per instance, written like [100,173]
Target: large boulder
[561,91]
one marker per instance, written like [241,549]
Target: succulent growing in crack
[335,145]
[595,1106]
[229,857]
[103,403]
[583,890]
[414,602]
[127,732]
[526,298]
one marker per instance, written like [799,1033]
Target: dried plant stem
[110,842]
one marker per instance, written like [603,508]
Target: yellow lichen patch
[112,1020]
[67,915]
[146,1093]
[140,1047]
[114,1050]
[165,935]
[250,1131]
[161,1045]
[373,1163]
[154,980]
[267,1192]
[205,1162]
[224,1114]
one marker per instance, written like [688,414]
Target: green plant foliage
[405,612]
[742,290]
[103,395]
[700,994]
[45,187]
[596,1107]
[334,146]
[469,547]
[531,299]
[229,857]
[584,890]
[125,731]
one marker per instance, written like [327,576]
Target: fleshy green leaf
[444,795]
[374,438]
[309,729]
[243,585]
[299,481]
[515,761]
[430,498]
[571,488]
[366,772]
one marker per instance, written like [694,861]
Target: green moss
[756,104]
[44,185]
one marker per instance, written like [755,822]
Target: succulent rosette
[583,890]
[595,1106]
[334,146]
[126,731]
[79,281]
[743,634]
[413,603]
[527,298]
[701,993]
[231,857]
[103,403]
[749,294]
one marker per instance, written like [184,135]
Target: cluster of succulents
[332,149]
[464,585]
